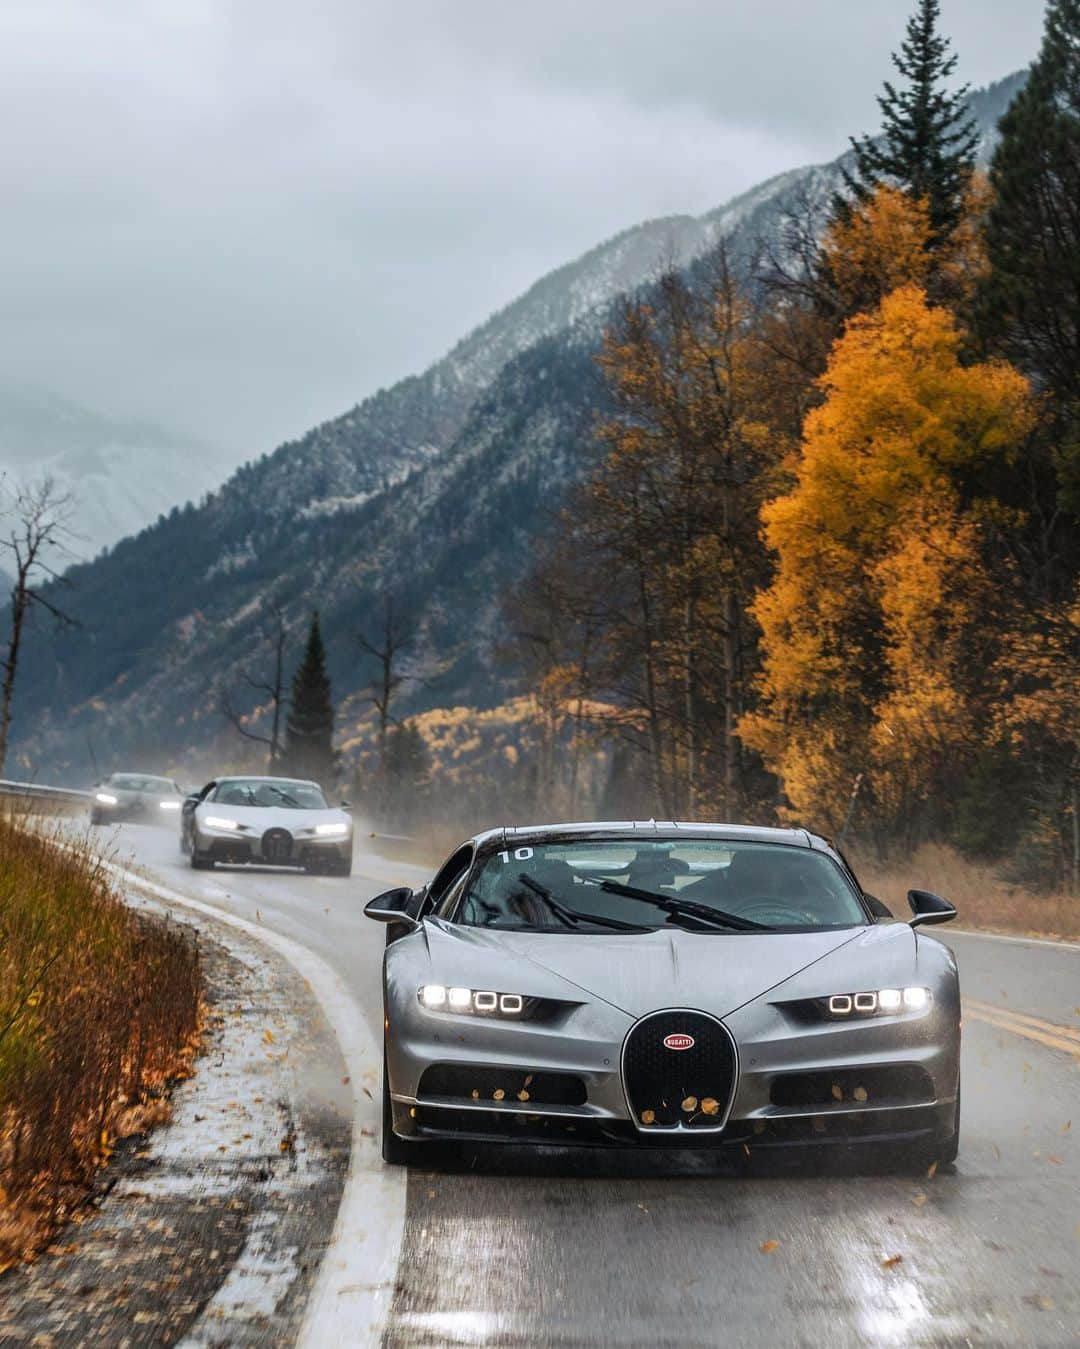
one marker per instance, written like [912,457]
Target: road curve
[580,1249]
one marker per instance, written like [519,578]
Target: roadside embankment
[99,1009]
[985,899]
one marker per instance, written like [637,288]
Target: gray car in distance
[665,985]
[281,822]
[136,796]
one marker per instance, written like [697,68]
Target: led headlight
[331,830]
[883,1001]
[106,798]
[482,1002]
[168,805]
[220,822]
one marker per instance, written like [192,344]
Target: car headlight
[168,805]
[106,798]
[483,1002]
[220,822]
[880,1001]
[331,830]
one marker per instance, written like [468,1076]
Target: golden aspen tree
[876,553]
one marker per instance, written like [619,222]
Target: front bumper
[303,851]
[893,1081]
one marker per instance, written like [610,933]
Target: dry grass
[99,1009]
[982,897]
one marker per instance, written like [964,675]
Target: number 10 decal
[520,855]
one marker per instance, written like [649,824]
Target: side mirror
[877,907]
[929,908]
[390,907]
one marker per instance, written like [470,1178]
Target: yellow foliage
[878,580]
[879,247]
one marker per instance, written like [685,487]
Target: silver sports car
[664,984]
[283,822]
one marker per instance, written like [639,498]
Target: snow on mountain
[121,475]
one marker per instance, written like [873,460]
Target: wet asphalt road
[587,1249]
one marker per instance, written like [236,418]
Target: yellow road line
[1025,1018]
[1046,1033]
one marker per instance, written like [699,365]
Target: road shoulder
[210,1229]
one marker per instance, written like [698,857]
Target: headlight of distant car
[220,822]
[169,805]
[331,830]
[106,798]
[439,998]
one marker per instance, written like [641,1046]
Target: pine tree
[1031,298]
[309,750]
[928,140]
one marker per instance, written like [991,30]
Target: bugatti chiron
[651,984]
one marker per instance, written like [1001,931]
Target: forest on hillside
[826,570]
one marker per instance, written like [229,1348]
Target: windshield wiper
[704,913]
[288,800]
[570,917]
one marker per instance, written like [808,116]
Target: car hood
[258,819]
[637,973]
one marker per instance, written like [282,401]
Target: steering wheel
[763,908]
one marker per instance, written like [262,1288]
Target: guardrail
[36,791]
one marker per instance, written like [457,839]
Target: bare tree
[272,687]
[393,639]
[39,516]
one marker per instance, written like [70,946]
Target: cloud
[242,217]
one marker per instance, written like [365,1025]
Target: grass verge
[983,899]
[100,1007]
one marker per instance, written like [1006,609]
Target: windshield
[699,885]
[268,793]
[138,782]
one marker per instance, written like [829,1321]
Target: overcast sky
[240,216]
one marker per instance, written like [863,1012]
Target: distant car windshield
[698,885]
[270,792]
[139,782]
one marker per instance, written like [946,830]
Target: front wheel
[199,861]
[950,1148]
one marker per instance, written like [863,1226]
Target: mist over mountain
[121,474]
[432,490]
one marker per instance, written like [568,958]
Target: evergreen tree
[928,140]
[309,733]
[1031,297]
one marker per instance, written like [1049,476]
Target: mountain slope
[121,474]
[433,489]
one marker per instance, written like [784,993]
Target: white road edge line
[1016,941]
[353,1292]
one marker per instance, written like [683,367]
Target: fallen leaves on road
[919,1199]
[767,1247]
[709,1106]
[931,1171]
[997,1152]
[891,1261]
[1051,1158]
[1066,1126]
[689,1104]
[648,1116]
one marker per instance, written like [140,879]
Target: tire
[395,1151]
[95,817]
[199,861]
[343,869]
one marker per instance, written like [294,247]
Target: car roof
[642,829]
[265,777]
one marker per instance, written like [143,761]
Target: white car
[285,822]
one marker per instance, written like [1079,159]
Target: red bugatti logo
[678,1042]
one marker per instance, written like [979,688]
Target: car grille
[514,1085]
[689,1088]
[276,845]
[883,1085]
